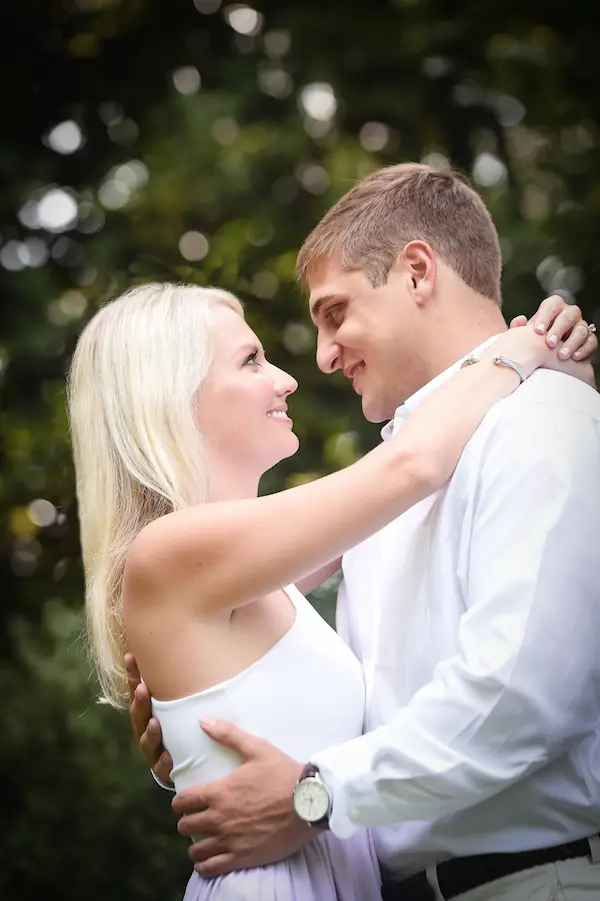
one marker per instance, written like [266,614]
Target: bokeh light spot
[265,285]
[207,6]
[186,80]
[277,43]
[65,138]
[489,170]
[318,101]
[57,210]
[225,130]
[193,246]
[244,19]
[374,136]
[41,512]
[298,338]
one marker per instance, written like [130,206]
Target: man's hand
[146,727]
[247,818]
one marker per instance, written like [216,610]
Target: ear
[420,265]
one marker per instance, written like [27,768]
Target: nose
[285,384]
[328,354]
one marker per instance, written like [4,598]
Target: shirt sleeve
[525,682]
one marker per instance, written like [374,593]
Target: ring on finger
[591,328]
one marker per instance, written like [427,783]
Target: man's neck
[452,338]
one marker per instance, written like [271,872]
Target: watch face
[311,800]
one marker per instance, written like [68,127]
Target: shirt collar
[404,411]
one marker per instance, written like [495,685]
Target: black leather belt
[461,874]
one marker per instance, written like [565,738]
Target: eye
[334,315]
[252,359]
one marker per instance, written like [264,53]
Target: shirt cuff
[337,772]
[166,785]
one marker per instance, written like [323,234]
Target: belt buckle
[594,843]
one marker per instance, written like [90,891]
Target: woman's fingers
[576,341]
[549,310]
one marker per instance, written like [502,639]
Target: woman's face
[241,407]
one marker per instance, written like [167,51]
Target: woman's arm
[225,554]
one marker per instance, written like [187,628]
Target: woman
[175,415]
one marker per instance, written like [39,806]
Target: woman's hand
[564,327]
[584,371]
[567,334]
[528,348]
[146,728]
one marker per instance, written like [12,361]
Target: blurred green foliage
[201,141]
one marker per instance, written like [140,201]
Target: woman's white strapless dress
[305,694]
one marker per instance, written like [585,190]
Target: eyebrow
[318,304]
[248,346]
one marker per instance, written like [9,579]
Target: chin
[294,444]
[283,451]
[373,411]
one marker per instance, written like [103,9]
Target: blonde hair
[134,376]
[370,225]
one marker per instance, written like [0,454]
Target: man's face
[370,333]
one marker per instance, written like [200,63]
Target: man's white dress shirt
[476,616]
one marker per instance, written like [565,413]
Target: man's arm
[313,580]
[526,681]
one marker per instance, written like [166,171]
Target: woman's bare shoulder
[159,554]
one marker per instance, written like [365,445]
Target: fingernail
[552,341]
[564,353]
[208,721]
[576,355]
[540,328]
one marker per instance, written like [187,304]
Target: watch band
[309,770]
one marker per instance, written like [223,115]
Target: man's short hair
[368,227]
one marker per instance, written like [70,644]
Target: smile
[353,372]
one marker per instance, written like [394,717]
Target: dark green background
[508,91]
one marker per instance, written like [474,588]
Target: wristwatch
[313,801]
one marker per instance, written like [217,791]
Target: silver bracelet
[516,367]
[499,361]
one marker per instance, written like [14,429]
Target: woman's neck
[229,483]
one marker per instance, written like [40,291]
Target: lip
[281,409]
[350,371]
[353,372]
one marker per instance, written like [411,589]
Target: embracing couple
[446,743]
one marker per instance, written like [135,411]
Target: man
[474,614]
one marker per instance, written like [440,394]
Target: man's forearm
[311,581]
[522,688]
